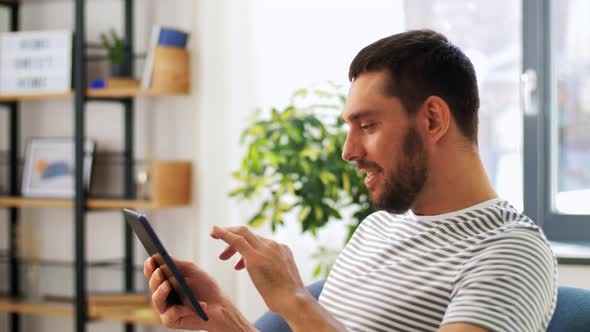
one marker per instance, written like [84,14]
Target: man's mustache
[365,164]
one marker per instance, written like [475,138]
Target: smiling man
[443,253]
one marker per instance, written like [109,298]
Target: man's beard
[403,185]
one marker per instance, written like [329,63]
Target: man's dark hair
[423,63]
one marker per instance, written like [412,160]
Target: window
[557,126]
[571,113]
[534,131]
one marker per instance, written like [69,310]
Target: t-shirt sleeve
[508,285]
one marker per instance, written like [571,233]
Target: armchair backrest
[572,312]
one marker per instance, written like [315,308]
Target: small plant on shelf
[117,53]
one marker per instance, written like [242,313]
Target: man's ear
[436,118]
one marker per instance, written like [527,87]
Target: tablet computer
[181,294]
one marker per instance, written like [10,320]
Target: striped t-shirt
[486,265]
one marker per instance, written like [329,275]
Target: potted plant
[293,163]
[117,53]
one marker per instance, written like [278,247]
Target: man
[459,260]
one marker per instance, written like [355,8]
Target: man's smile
[372,177]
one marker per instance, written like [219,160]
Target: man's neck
[454,186]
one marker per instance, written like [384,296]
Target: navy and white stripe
[487,265]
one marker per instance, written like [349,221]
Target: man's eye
[367,126]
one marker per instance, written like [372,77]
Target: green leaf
[317,270]
[300,93]
[256,221]
[236,192]
[334,212]
[275,115]
[304,212]
[318,212]
[345,182]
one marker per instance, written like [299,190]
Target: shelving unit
[166,193]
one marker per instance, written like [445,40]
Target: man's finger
[240,265]
[160,295]
[203,305]
[156,280]
[237,241]
[148,267]
[227,253]
[247,234]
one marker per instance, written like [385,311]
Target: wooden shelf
[129,92]
[22,202]
[44,308]
[144,314]
[93,93]
[141,314]
[35,96]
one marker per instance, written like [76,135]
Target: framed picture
[50,167]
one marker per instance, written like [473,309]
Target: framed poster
[50,167]
[35,62]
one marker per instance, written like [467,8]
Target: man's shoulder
[517,237]
[513,223]
[516,224]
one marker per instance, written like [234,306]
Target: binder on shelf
[163,37]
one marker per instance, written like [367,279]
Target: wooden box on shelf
[170,183]
[171,70]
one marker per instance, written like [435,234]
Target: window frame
[538,37]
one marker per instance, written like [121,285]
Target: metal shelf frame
[80,201]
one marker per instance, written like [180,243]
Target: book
[146,78]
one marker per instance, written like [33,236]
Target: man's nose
[352,150]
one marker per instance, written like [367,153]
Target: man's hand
[274,273]
[270,265]
[223,316]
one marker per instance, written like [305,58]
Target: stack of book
[167,62]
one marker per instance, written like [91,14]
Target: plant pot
[120,70]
